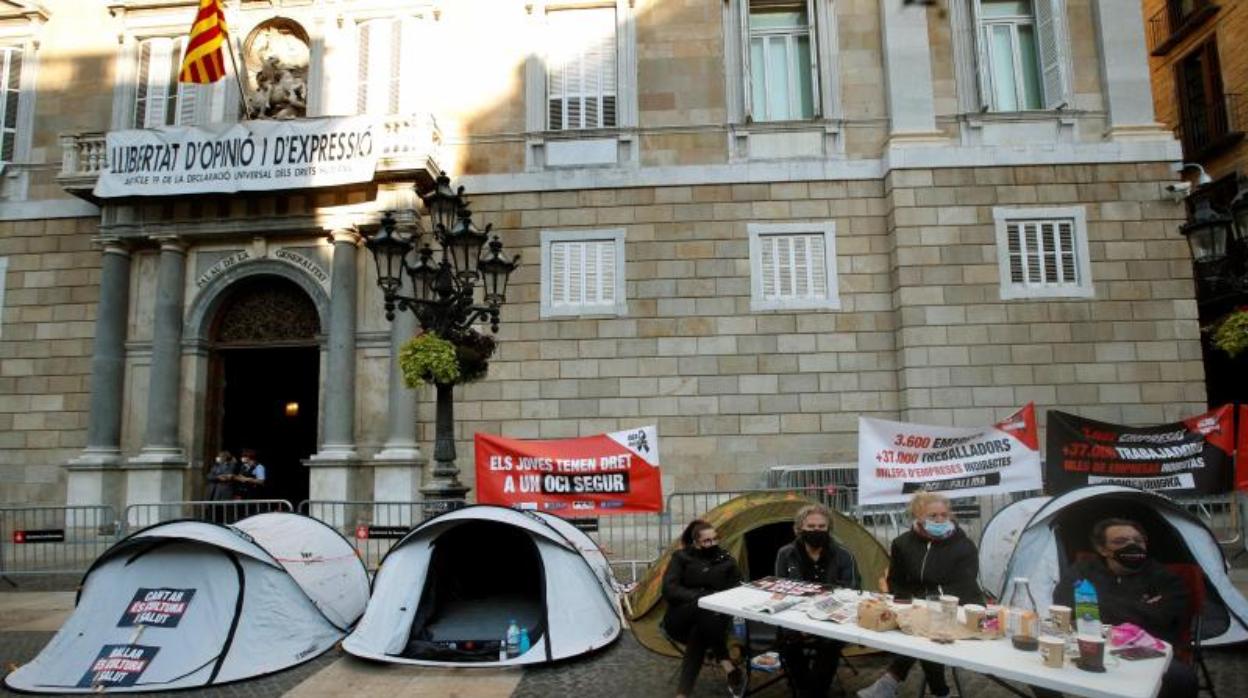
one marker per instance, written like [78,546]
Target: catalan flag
[204,62]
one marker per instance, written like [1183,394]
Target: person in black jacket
[1133,588]
[935,557]
[813,557]
[700,567]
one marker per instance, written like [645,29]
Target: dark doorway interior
[264,381]
[261,388]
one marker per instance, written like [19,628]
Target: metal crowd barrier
[631,542]
[373,527]
[1220,512]
[45,540]
[137,516]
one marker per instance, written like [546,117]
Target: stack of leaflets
[830,608]
[774,604]
[788,587]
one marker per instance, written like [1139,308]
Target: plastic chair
[1188,648]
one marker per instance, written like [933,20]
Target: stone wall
[45,353]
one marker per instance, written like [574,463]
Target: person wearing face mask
[933,558]
[814,557]
[1131,587]
[221,478]
[698,568]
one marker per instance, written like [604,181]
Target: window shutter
[187,95]
[767,266]
[393,87]
[363,33]
[1066,240]
[1014,237]
[157,92]
[10,91]
[606,271]
[1052,45]
[812,23]
[558,273]
[982,81]
[818,267]
[410,57]
[747,89]
[142,78]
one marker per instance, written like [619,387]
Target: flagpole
[238,77]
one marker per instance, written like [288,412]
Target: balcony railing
[1212,125]
[409,144]
[1175,20]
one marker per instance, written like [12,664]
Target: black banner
[156,608]
[118,665]
[1191,456]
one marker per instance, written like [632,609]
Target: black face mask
[708,553]
[1131,556]
[815,539]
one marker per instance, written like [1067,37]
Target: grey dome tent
[1037,538]
[446,592]
[188,604]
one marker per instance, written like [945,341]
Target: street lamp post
[443,296]
[1217,244]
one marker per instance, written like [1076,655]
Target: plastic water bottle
[513,639]
[738,627]
[502,649]
[524,640]
[1087,610]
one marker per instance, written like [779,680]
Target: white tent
[186,604]
[447,592]
[1040,548]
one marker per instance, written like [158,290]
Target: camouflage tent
[735,520]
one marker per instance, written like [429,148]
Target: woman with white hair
[934,557]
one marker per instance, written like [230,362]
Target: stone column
[93,476]
[158,473]
[1124,70]
[908,74]
[331,474]
[396,468]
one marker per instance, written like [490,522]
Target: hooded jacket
[920,566]
[1125,598]
[690,577]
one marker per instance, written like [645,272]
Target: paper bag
[876,615]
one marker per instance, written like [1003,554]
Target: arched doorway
[264,374]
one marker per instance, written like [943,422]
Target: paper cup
[1061,616]
[1052,651]
[1091,653]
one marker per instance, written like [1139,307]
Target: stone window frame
[970,58]
[820,136]
[756,231]
[214,103]
[614,146]
[24,36]
[1077,215]
[617,236]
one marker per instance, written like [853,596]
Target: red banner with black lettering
[612,473]
[1191,456]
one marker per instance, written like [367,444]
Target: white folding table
[996,658]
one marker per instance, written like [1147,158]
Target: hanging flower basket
[1230,333]
[462,357]
[430,359]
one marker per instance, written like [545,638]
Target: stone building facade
[746,222]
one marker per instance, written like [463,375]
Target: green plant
[1230,334]
[429,358]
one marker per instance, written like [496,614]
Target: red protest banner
[1241,450]
[604,474]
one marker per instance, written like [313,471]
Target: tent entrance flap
[482,575]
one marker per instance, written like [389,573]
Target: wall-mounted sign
[247,156]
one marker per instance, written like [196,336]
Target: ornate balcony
[410,149]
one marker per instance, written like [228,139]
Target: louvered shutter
[581,69]
[1052,46]
[393,70]
[558,274]
[767,267]
[362,54]
[812,23]
[142,80]
[10,91]
[983,83]
[747,87]
[187,96]
[1066,241]
[1018,264]
[409,58]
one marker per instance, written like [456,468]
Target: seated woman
[700,567]
[933,558]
